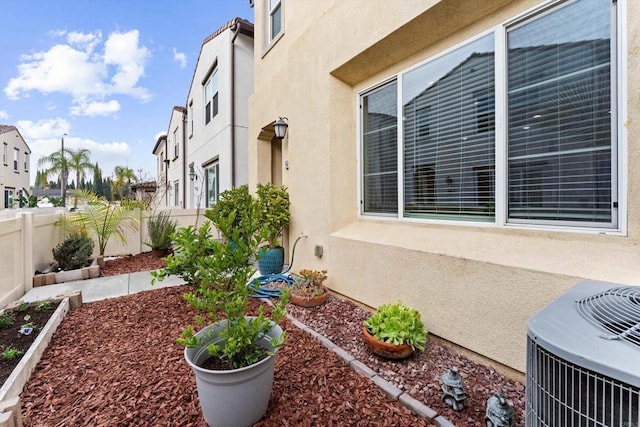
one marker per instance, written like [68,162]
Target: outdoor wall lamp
[280,127]
[192,173]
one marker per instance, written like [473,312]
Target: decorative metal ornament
[499,412]
[452,390]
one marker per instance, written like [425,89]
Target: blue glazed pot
[271,261]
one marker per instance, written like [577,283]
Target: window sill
[271,44]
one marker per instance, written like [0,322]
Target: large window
[8,197]
[275,18]
[211,184]
[441,154]
[16,157]
[211,97]
[559,120]
[449,154]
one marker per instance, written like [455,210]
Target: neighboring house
[146,192]
[160,151]
[14,168]
[472,159]
[206,143]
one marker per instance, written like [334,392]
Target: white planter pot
[237,397]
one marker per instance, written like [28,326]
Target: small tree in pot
[273,202]
[233,358]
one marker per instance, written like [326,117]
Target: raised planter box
[90,272]
[10,410]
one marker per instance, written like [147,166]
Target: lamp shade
[280,127]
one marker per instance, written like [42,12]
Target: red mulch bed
[115,362]
[130,264]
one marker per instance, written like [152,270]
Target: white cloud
[4,115]
[44,137]
[85,41]
[180,58]
[122,50]
[78,69]
[43,129]
[61,69]
[95,108]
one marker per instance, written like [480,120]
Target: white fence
[27,237]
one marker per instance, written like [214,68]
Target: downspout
[236,31]
[184,159]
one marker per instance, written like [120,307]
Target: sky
[107,73]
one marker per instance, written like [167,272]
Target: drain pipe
[236,31]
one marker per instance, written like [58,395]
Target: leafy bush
[11,353]
[397,324]
[74,252]
[273,201]
[161,229]
[6,320]
[222,277]
[309,283]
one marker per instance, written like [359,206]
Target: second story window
[275,18]
[16,155]
[5,147]
[211,97]
[26,162]
[176,144]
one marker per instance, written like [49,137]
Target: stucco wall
[475,285]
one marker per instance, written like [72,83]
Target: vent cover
[616,310]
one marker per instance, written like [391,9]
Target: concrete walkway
[102,287]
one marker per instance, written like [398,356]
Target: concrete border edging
[389,389]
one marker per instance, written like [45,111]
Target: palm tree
[79,162]
[100,220]
[123,177]
[56,163]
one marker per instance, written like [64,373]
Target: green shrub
[6,320]
[11,353]
[74,252]
[397,324]
[161,229]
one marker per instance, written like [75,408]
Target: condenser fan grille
[616,310]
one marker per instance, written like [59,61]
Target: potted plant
[273,202]
[394,331]
[308,289]
[233,356]
[160,230]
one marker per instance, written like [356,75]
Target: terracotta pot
[303,301]
[385,349]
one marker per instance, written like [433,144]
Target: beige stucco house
[14,168]
[474,159]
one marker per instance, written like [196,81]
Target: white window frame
[214,99]
[176,144]
[619,134]
[16,160]
[213,167]
[176,193]
[26,161]
[5,153]
[271,10]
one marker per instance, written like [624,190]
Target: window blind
[449,133]
[559,116]
[380,150]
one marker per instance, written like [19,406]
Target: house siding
[475,285]
[9,178]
